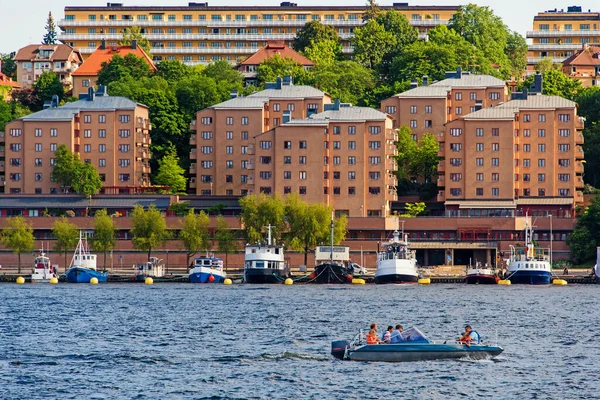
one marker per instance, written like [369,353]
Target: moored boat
[265,263]
[152,268]
[43,270]
[396,263]
[83,264]
[207,269]
[529,265]
[481,275]
[413,347]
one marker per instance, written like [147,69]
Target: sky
[23,22]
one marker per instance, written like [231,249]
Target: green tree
[324,53]
[404,34]
[86,179]
[170,173]
[196,93]
[63,171]
[225,237]
[372,11]
[588,102]
[105,231]
[194,233]
[352,86]
[11,111]
[18,237]
[546,64]
[225,78]
[149,228]
[426,160]
[276,66]
[516,50]
[173,71]
[314,32]
[47,85]
[584,239]
[135,33]
[50,37]
[260,210]
[119,67]
[407,150]
[413,209]
[591,148]
[371,44]
[556,84]
[66,235]
[9,66]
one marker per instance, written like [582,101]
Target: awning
[493,204]
[545,201]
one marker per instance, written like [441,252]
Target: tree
[407,149]
[195,93]
[86,179]
[105,231]
[351,86]
[71,173]
[260,210]
[149,228]
[135,33]
[18,237]
[314,32]
[119,67]
[556,83]
[516,50]
[227,241]
[63,171]
[404,34]
[324,53]
[50,37]
[413,209]
[545,64]
[372,11]
[9,66]
[11,111]
[173,71]
[170,173]
[276,66]
[66,235]
[47,85]
[371,43]
[194,233]
[584,239]
[591,149]
[225,78]
[426,160]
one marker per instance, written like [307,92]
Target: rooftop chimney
[287,80]
[414,84]
[425,80]
[103,45]
[278,82]
[458,72]
[91,95]
[134,44]
[233,94]
[538,84]
[55,101]
[101,92]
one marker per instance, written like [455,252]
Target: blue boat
[83,265]
[528,264]
[413,347]
[207,269]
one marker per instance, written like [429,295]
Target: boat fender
[211,278]
[20,280]
[349,278]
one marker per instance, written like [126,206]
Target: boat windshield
[413,334]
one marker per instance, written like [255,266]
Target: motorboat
[333,265]
[483,275]
[528,264]
[83,264]
[207,269]
[265,262]
[414,346]
[396,263]
[153,268]
[43,270]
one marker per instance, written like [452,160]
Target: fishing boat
[333,265]
[396,263]
[207,269]
[265,263]
[528,264]
[83,264]
[481,275]
[152,268]
[413,347]
[43,270]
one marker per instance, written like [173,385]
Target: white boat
[207,269]
[153,268]
[43,270]
[528,264]
[396,263]
[265,263]
[479,274]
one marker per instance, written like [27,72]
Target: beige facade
[428,108]
[35,59]
[111,133]
[500,157]
[584,66]
[200,34]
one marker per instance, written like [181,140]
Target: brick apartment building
[584,66]
[111,133]
[35,59]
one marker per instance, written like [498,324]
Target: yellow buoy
[94,281]
[504,282]
[559,282]
[424,281]
[54,280]
[227,281]
[358,281]
[149,281]
[20,280]
[289,281]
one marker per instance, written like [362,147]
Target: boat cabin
[208,262]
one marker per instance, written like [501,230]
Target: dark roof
[79,202]
[400,6]
[204,202]
[61,52]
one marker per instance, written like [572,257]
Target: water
[182,341]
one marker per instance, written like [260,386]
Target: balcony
[554,47]
[579,167]
[535,60]
[440,181]
[391,134]
[391,180]
[440,196]
[441,166]
[193,141]
[578,197]
[193,154]
[143,153]
[251,150]
[579,182]
[141,123]
[192,183]
[557,33]
[579,138]
[250,180]
[193,127]
[193,168]
[441,152]
[579,123]
[251,165]
[579,153]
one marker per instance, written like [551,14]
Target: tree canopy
[584,239]
[50,37]
[105,231]
[70,172]
[314,32]
[135,33]
[194,233]
[225,237]
[260,210]
[120,67]
[170,173]
[66,235]
[149,228]
[18,237]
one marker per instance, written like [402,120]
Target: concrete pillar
[488,256]
[426,257]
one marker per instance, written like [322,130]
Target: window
[102,148]
[495,177]
[479,177]
[336,145]
[15,132]
[302,160]
[541,177]
[564,177]
[351,160]
[390,109]
[564,132]
[88,119]
[456,177]
[494,96]
[244,135]
[302,144]
[287,160]
[526,148]
[564,147]
[302,175]
[124,118]
[206,149]
[561,192]
[337,130]
[244,120]
[351,130]
[526,118]
[276,107]
[428,123]
[351,190]
[473,96]
[287,189]
[526,177]
[374,160]
[495,192]
[455,162]
[455,192]
[495,146]
[495,162]
[541,192]
[374,175]
[479,132]
[542,148]
[413,109]
[428,110]
[351,175]
[123,177]
[38,147]
[124,162]
[455,132]
[87,148]
[53,147]
[564,162]
[265,175]
[373,145]
[374,130]
[564,117]
[479,162]
[38,162]
[336,175]
[351,145]
[336,160]
[458,96]
[206,120]
[102,133]
[38,132]
[291,107]
[336,190]
[455,146]
[302,190]
[479,147]
[123,148]
[229,149]
[541,117]
[541,133]
[526,133]
[495,132]
[287,175]
[229,121]
[374,190]
[102,162]
[458,110]
[413,123]
[124,133]
[479,192]
[265,144]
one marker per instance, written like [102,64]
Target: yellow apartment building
[111,133]
[223,145]
[200,34]
[35,59]
[426,109]
[558,34]
[526,151]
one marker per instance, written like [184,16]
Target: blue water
[183,341]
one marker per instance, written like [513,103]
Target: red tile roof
[590,55]
[61,52]
[6,81]
[276,47]
[93,64]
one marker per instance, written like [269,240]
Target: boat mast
[332,226]
[269,234]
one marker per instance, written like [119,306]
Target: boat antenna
[332,228]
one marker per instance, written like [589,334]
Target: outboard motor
[338,348]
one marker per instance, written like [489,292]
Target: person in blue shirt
[396,336]
[470,336]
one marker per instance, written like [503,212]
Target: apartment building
[86,75]
[426,109]
[200,34]
[342,157]
[111,133]
[223,144]
[7,85]
[35,59]
[558,34]
[584,66]
[524,152]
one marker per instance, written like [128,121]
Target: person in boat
[396,336]
[372,335]
[470,336]
[387,335]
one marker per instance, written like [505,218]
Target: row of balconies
[557,33]
[577,198]
[194,36]
[555,46]
[535,60]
